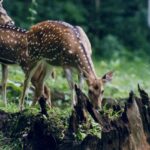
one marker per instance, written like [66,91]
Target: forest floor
[127,74]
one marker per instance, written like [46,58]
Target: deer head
[4,18]
[96,89]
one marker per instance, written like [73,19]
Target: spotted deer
[68,71]
[4,20]
[13,50]
[59,44]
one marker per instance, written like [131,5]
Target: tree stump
[129,131]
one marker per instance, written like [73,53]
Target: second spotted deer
[13,50]
[59,44]
[4,20]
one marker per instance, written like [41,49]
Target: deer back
[85,40]
[60,44]
[13,44]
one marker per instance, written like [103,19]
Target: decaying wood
[130,131]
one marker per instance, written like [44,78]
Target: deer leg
[48,96]
[42,90]
[4,82]
[28,76]
[38,82]
[34,83]
[68,74]
[25,86]
[39,90]
[45,92]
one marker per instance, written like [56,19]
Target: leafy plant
[90,128]
[33,11]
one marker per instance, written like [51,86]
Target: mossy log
[129,131]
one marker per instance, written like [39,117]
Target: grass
[8,144]
[127,74]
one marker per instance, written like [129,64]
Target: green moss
[9,144]
[19,125]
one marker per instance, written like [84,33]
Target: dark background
[115,27]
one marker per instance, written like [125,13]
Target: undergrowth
[127,74]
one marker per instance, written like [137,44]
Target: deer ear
[107,77]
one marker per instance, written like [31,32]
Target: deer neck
[89,73]
[85,65]
[84,60]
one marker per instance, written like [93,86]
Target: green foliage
[8,144]
[124,23]
[19,125]
[90,128]
[13,90]
[111,113]
[11,107]
[111,47]
[33,12]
